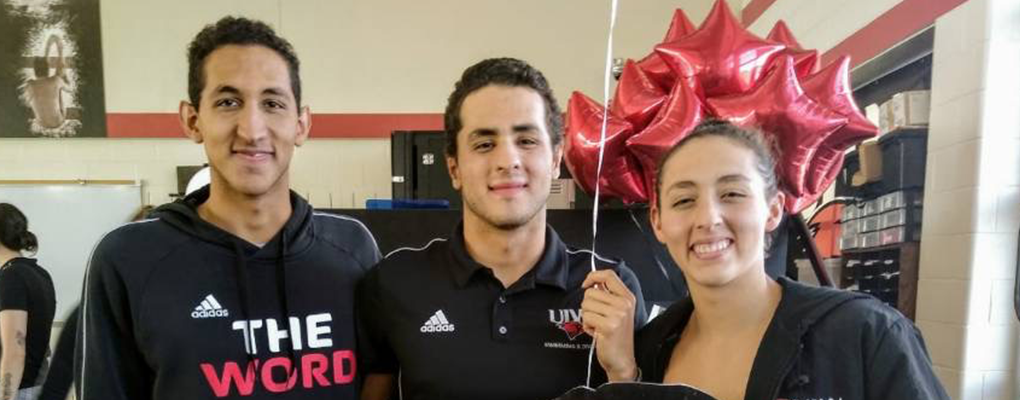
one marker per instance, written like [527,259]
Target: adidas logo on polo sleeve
[209,308]
[437,323]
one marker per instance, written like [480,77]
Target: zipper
[786,371]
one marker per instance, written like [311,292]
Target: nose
[251,124]
[707,214]
[508,156]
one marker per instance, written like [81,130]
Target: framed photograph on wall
[51,69]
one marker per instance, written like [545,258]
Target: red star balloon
[637,98]
[621,174]
[723,71]
[681,114]
[654,67]
[806,61]
[779,107]
[679,27]
[831,87]
[657,70]
[725,57]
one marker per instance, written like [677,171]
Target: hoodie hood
[800,309]
[296,232]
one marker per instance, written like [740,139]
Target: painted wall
[379,56]
[972,194]
[821,25]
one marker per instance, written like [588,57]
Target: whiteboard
[69,219]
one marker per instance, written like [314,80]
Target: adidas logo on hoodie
[209,308]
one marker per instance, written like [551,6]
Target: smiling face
[248,120]
[505,161]
[713,213]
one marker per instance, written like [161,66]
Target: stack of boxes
[880,231]
[890,219]
[873,233]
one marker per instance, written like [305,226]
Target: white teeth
[711,247]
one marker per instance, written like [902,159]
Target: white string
[602,148]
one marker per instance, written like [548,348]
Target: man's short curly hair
[504,72]
[237,31]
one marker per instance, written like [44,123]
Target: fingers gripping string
[602,146]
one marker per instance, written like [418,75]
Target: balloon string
[602,147]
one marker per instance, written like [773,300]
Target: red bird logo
[572,328]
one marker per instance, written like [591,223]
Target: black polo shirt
[446,326]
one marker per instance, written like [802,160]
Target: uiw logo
[568,321]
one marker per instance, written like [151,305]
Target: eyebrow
[489,132]
[481,133]
[272,91]
[226,89]
[731,178]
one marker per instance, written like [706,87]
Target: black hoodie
[176,308]
[821,344]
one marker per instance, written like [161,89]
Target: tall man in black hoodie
[240,290]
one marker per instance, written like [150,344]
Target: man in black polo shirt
[493,312]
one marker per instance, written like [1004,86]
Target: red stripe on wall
[753,10]
[143,125]
[372,125]
[333,126]
[899,23]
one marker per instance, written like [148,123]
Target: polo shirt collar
[551,269]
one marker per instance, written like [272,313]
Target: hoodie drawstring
[241,264]
[281,292]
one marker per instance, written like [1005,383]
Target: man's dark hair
[237,31]
[509,72]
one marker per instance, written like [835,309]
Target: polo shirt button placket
[501,318]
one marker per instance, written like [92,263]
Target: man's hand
[607,314]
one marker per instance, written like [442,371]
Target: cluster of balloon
[721,71]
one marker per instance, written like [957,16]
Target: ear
[776,211]
[304,125]
[452,168]
[189,121]
[557,160]
[656,219]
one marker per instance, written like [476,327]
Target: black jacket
[176,308]
[821,343]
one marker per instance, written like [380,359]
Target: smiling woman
[741,334]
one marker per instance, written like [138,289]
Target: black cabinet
[418,161]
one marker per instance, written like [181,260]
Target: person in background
[61,372]
[27,304]
[742,334]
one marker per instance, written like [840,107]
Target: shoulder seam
[349,219]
